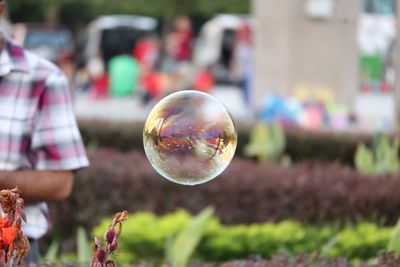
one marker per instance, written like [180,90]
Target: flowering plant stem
[100,254]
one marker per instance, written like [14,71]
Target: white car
[215,44]
[108,35]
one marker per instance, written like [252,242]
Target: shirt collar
[12,58]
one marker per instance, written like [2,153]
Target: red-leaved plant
[100,254]
[14,245]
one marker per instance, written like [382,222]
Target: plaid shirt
[37,125]
[38,129]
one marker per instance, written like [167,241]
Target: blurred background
[314,64]
[311,85]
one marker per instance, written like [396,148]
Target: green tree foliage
[75,12]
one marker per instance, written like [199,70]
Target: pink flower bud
[113,246]
[110,235]
[97,243]
[100,255]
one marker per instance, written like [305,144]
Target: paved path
[374,111]
[131,108]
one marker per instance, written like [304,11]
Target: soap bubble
[189,137]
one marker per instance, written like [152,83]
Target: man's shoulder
[37,64]
[37,69]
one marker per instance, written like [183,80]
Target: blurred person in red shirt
[180,40]
[146,51]
[154,84]
[98,77]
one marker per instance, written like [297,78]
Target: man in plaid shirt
[40,144]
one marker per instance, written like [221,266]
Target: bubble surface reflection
[189,137]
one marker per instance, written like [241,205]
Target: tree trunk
[52,14]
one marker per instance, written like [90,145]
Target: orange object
[204,81]
[4,222]
[8,234]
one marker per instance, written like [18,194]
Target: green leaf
[327,248]
[52,252]
[394,242]
[266,142]
[364,160]
[182,247]
[258,145]
[83,247]
[386,155]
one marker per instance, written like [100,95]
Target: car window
[228,41]
[53,39]
[119,40]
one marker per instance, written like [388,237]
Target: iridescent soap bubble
[189,137]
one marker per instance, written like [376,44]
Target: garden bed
[246,192]
[304,260]
[282,260]
[145,236]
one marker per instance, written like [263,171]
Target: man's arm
[39,185]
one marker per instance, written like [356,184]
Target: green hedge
[144,236]
[300,144]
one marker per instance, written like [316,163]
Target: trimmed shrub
[300,144]
[246,192]
[145,236]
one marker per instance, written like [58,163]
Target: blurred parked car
[53,43]
[108,36]
[215,45]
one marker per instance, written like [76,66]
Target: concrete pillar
[272,46]
[293,49]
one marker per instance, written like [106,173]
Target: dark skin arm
[39,185]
